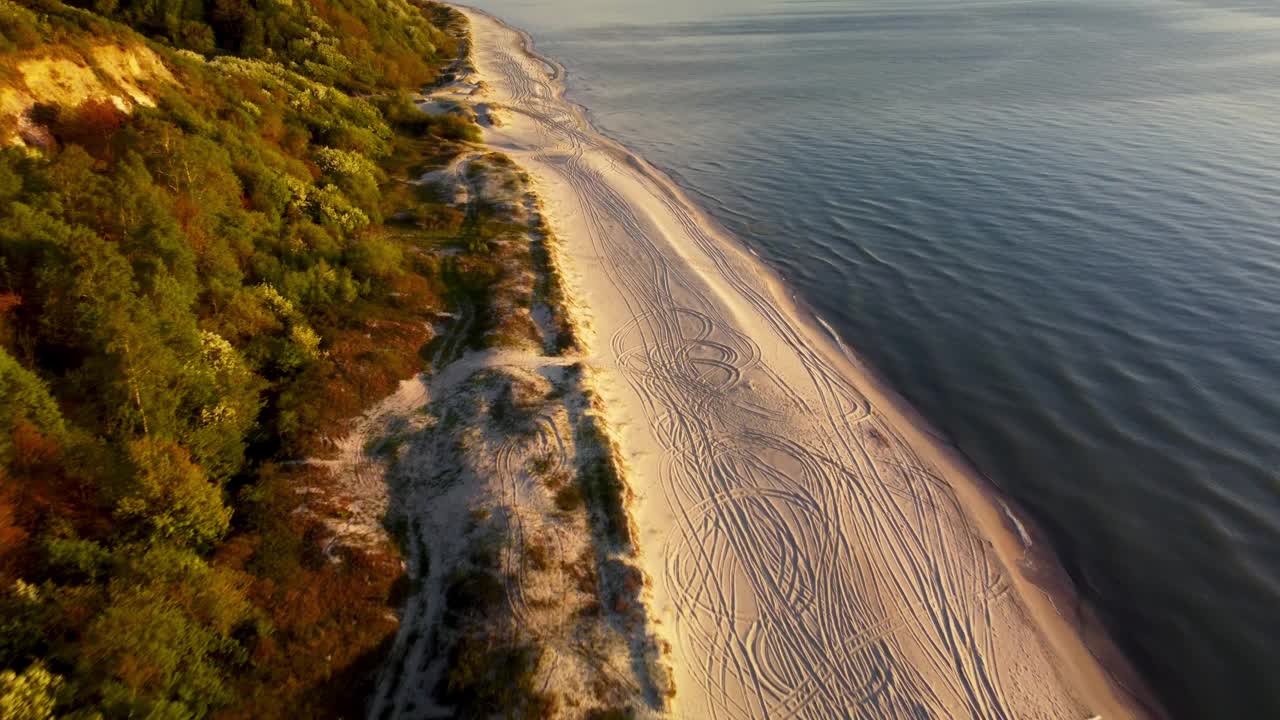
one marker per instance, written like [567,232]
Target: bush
[74,560]
[401,112]
[147,654]
[376,257]
[568,498]
[29,695]
[440,218]
[472,594]
[23,616]
[489,674]
[24,397]
[169,497]
[93,125]
[20,29]
[455,127]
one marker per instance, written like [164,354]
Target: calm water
[1053,224]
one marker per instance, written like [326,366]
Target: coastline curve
[926,547]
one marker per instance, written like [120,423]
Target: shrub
[377,257]
[568,498]
[472,594]
[489,674]
[169,497]
[13,535]
[23,616]
[178,284]
[20,28]
[401,112]
[602,485]
[24,397]
[455,127]
[75,560]
[147,654]
[440,218]
[29,695]
[92,125]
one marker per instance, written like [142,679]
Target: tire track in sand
[815,565]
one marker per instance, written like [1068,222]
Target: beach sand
[815,549]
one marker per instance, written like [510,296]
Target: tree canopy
[186,289]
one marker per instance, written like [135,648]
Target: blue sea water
[1052,224]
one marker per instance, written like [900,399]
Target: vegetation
[189,294]
[492,663]
[599,476]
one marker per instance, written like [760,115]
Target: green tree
[29,695]
[376,257]
[164,644]
[24,397]
[23,617]
[147,656]
[169,497]
[223,404]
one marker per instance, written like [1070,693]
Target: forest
[194,294]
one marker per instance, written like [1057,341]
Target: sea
[1053,225]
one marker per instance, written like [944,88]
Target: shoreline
[1077,652]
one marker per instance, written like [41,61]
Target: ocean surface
[1054,225]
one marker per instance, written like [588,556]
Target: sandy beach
[815,549]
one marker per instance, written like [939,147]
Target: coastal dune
[815,550]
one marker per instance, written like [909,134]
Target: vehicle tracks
[809,561]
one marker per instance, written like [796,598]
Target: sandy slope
[816,551]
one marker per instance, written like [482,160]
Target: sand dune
[816,551]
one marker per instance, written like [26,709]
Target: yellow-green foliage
[19,27]
[162,642]
[28,695]
[351,44]
[170,497]
[24,397]
[173,283]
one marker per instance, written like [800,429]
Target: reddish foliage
[349,26]
[9,301]
[12,536]
[186,210]
[236,551]
[92,126]
[31,448]
[271,125]
[44,485]
[366,361]
[330,619]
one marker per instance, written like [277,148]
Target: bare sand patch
[495,471]
[66,77]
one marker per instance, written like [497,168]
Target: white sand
[816,551]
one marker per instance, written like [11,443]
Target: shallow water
[1052,225]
